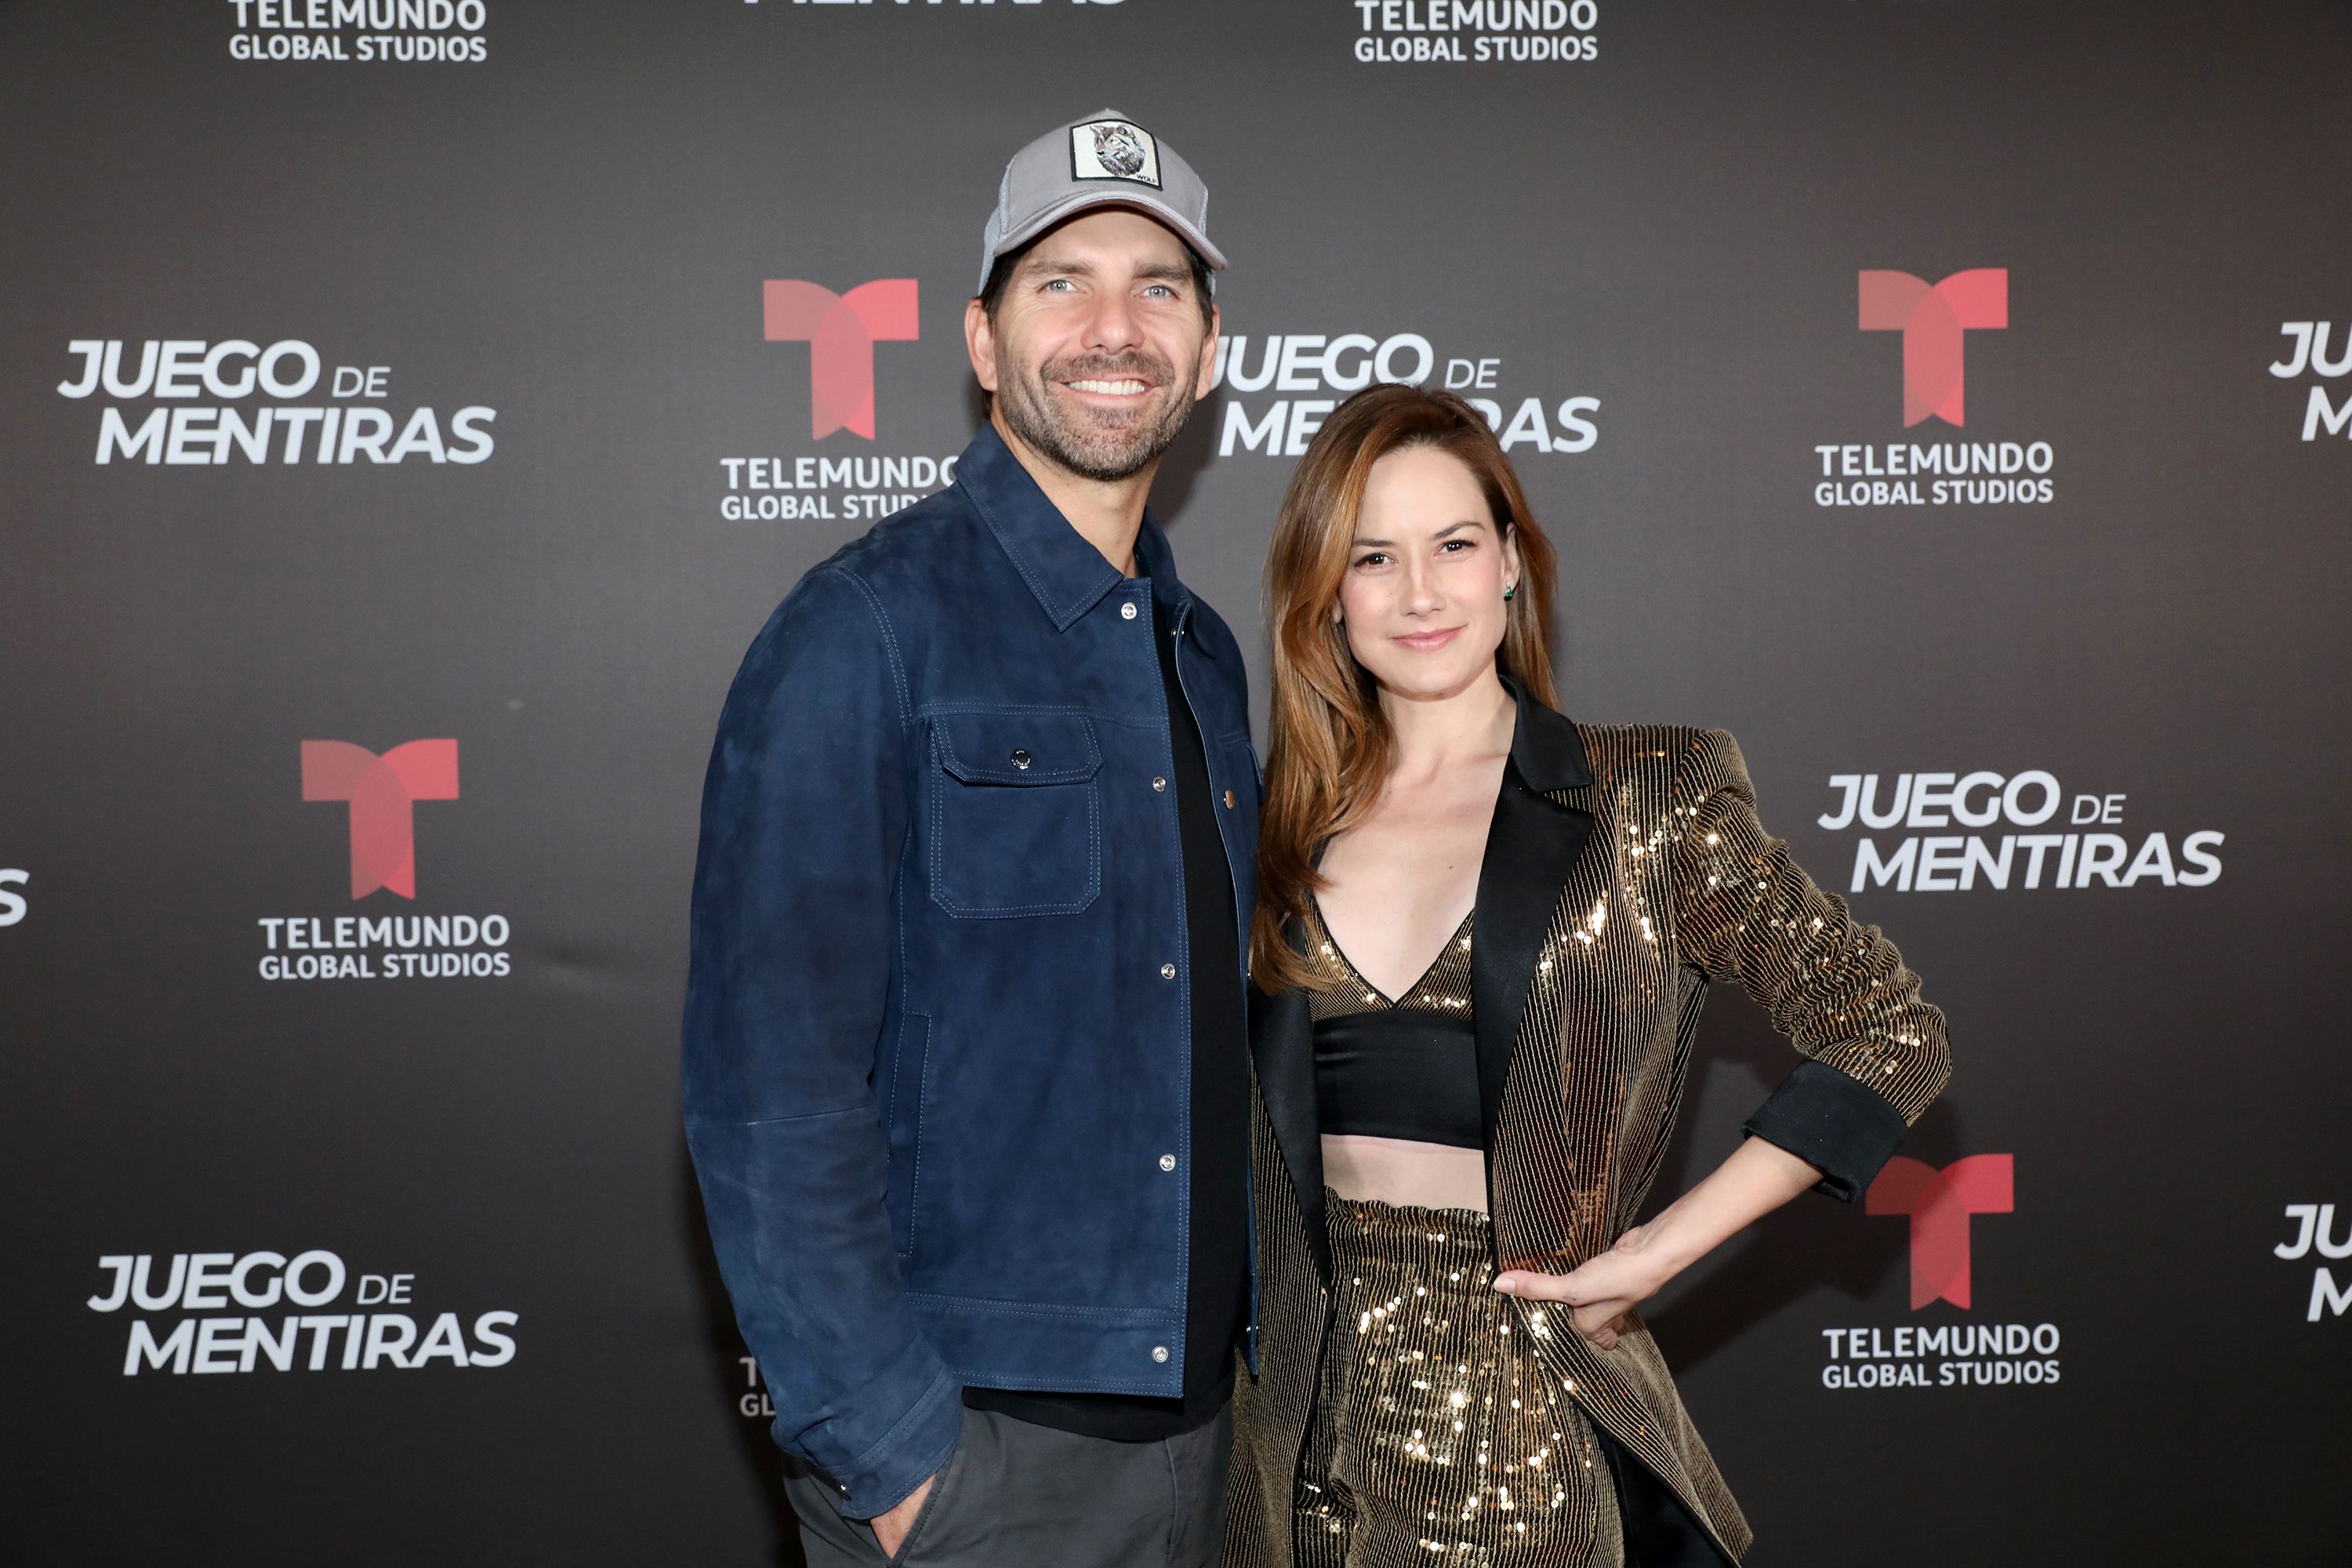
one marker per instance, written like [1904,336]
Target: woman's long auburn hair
[1329,748]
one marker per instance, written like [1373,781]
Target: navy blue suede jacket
[936,1039]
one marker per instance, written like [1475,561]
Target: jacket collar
[1532,848]
[1155,560]
[1545,747]
[1282,1040]
[1068,575]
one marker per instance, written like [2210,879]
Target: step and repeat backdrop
[409,409]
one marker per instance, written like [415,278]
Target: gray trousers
[1017,1495]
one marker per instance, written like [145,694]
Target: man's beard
[1093,443]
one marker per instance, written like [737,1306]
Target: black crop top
[1404,1069]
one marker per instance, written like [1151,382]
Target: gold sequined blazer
[1624,869]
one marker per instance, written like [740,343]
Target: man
[966,1077]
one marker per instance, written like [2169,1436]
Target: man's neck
[1107,513]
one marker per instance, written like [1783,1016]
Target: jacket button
[1167,1162]
[1167,971]
[1229,800]
[1021,759]
[1158,785]
[1159,1353]
[1126,611]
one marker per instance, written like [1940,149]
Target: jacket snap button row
[1021,759]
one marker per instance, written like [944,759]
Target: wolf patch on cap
[1114,150]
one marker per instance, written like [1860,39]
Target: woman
[1483,935]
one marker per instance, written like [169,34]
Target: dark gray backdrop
[573,230]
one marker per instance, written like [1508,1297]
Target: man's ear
[980,342]
[1207,374]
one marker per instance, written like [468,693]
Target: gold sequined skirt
[1434,1440]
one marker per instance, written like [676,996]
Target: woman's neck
[1433,733]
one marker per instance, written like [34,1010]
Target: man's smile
[1122,386]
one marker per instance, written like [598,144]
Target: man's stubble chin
[1086,445]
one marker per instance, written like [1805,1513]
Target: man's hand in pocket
[890,1529]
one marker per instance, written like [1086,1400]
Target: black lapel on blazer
[1282,1039]
[1531,846]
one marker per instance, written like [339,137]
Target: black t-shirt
[1217,1298]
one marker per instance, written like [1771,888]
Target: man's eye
[1162,290]
[1059,283]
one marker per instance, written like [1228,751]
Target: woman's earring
[1509,589]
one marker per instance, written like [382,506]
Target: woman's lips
[1427,642]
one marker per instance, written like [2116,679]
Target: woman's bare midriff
[1399,1171]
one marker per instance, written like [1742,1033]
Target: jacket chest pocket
[1015,814]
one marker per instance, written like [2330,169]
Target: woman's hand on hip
[1757,1179]
[1600,1291]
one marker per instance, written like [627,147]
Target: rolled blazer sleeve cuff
[914,1449]
[1833,1121]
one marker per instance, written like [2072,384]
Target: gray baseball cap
[1103,160]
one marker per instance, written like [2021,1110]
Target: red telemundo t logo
[381,792]
[1939,1204]
[841,331]
[1933,320]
